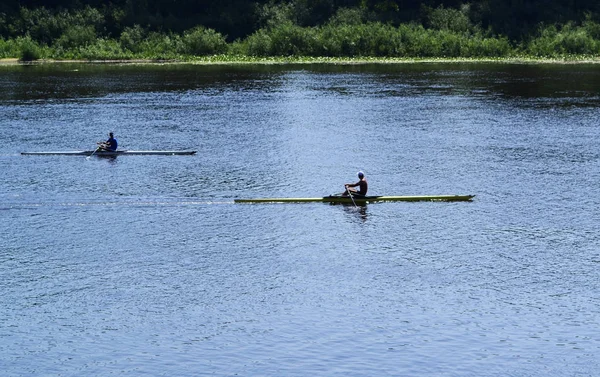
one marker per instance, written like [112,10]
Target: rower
[108,145]
[362,186]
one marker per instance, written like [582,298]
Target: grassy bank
[333,42]
[237,60]
[281,30]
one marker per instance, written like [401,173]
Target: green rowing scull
[363,199]
[111,154]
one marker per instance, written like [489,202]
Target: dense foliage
[180,29]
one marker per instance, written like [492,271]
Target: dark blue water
[143,265]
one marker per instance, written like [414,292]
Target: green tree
[76,36]
[455,20]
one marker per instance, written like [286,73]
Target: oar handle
[350,193]
[96,150]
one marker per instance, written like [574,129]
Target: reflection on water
[144,265]
[358,211]
[517,81]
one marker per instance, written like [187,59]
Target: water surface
[143,265]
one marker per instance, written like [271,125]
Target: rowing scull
[111,153]
[363,199]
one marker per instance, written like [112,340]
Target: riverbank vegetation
[246,30]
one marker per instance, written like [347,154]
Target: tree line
[176,29]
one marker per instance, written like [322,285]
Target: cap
[361,174]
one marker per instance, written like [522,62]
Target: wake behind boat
[111,153]
[357,199]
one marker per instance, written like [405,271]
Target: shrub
[104,49]
[553,41]
[492,47]
[370,39]
[237,49]
[160,46]
[202,41]
[258,44]
[132,38]
[286,39]
[29,49]
[289,39]
[77,36]
[7,49]
[450,44]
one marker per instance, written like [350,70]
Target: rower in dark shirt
[361,184]
[110,144]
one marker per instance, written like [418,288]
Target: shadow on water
[359,211]
[519,81]
[109,159]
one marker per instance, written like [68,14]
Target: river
[144,265]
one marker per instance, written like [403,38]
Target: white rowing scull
[111,153]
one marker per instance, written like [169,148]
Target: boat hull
[363,200]
[110,153]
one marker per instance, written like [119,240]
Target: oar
[90,156]
[350,193]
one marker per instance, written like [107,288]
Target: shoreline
[224,60]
